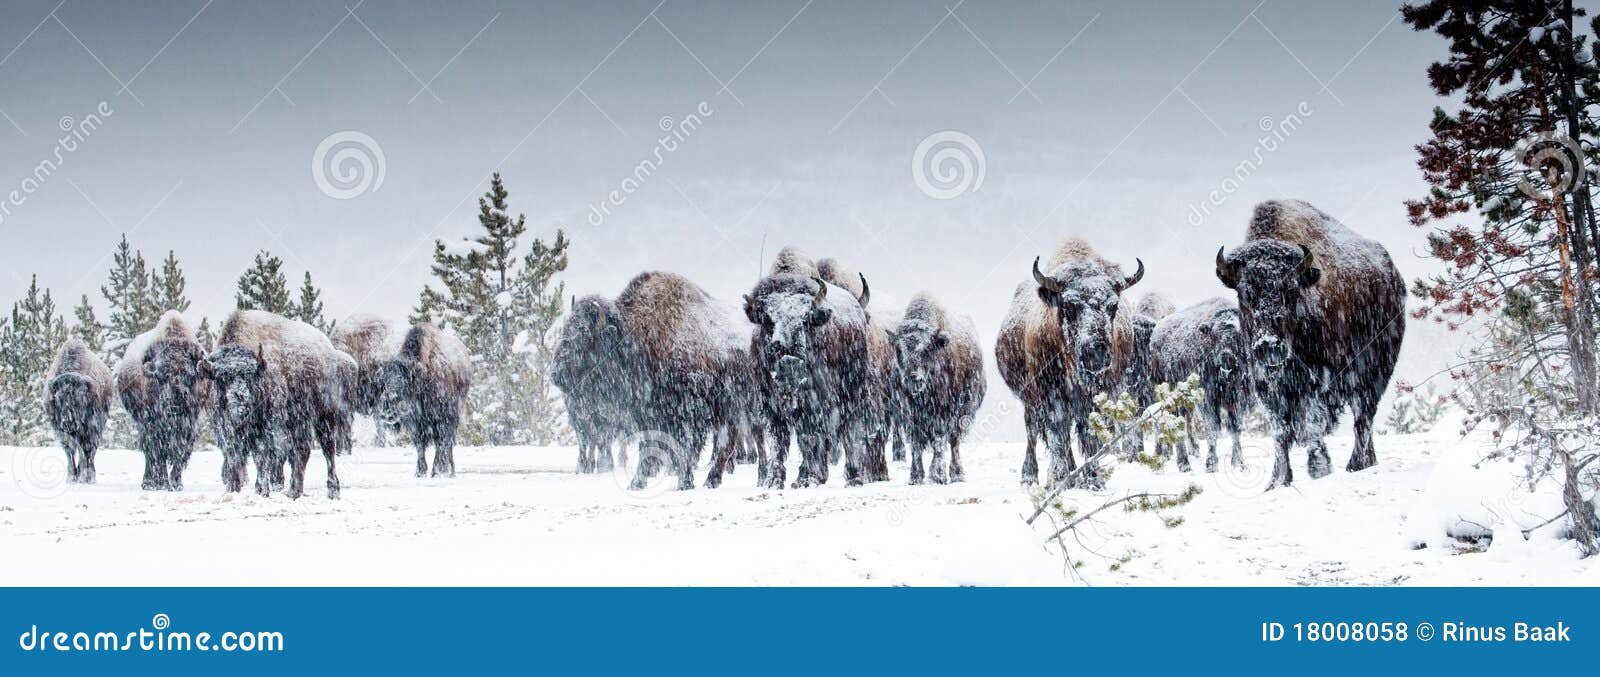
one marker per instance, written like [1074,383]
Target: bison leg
[180,462]
[1030,461]
[770,469]
[1061,463]
[421,441]
[601,453]
[331,450]
[1364,455]
[86,466]
[584,462]
[444,452]
[1091,447]
[1234,426]
[299,455]
[1318,464]
[936,469]
[1213,428]
[72,460]
[722,444]
[263,456]
[1282,474]
[154,474]
[917,474]
[956,473]
[813,461]
[899,444]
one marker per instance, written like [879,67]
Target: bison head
[917,347]
[238,373]
[1269,276]
[1225,344]
[1085,296]
[173,370]
[591,343]
[787,317]
[399,378]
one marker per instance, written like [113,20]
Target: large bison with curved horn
[1067,338]
[810,348]
[1323,315]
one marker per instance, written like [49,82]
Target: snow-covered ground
[518,516]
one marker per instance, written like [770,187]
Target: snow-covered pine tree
[28,343]
[309,308]
[167,287]
[204,334]
[1511,208]
[127,290]
[502,302]
[263,286]
[88,327]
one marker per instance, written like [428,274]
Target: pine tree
[167,287]
[1513,220]
[28,343]
[88,328]
[309,308]
[263,286]
[133,311]
[205,336]
[501,302]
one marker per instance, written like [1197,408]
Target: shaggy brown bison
[811,352]
[939,376]
[161,388]
[589,372]
[278,382]
[1323,314]
[684,357]
[1205,339]
[1067,338]
[369,340]
[77,399]
[423,389]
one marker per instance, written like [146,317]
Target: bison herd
[1314,325]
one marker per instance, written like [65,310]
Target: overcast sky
[1111,120]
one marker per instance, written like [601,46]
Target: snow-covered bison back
[77,400]
[1205,339]
[685,354]
[1323,313]
[369,340]
[159,382]
[278,383]
[1067,338]
[424,389]
[939,377]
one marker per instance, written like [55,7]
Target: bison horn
[866,292]
[599,321]
[822,292]
[1049,283]
[1224,270]
[1305,259]
[1136,276]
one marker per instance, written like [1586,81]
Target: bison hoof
[1356,464]
[1211,463]
[713,482]
[1318,467]
[151,485]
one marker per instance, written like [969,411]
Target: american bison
[1067,338]
[369,340]
[810,349]
[684,353]
[589,372]
[77,400]
[881,407]
[159,382]
[939,376]
[1205,339]
[1137,381]
[1323,315]
[278,382]
[423,389]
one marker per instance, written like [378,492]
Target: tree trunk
[1585,524]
